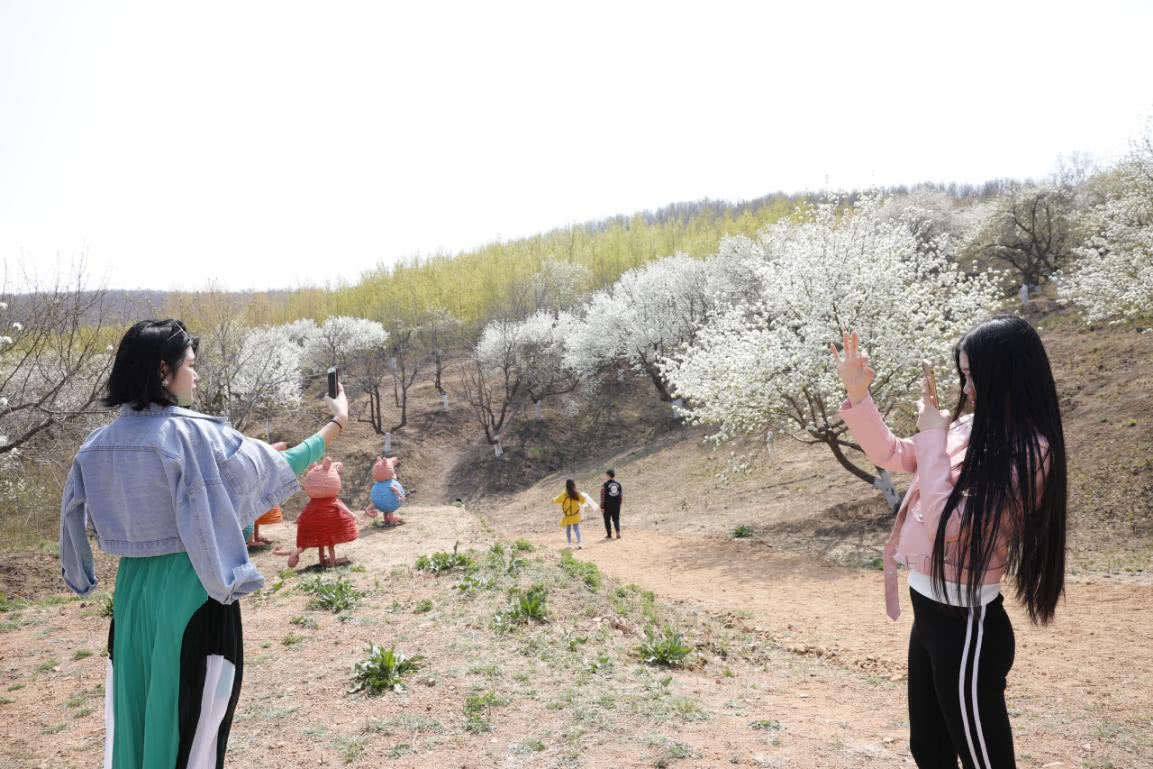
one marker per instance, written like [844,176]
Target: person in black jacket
[611,497]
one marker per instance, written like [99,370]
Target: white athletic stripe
[218,677]
[976,712]
[961,690]
[109,716]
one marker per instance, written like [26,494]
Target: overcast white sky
[272,144]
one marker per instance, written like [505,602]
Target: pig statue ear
[327,463]
[338,466]
[311,467]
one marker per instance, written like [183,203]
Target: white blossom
[339,339]
[645,315]
[763,364]
[17,326]
[1113,276]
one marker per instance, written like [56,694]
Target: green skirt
[175,659]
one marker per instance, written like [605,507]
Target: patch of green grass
[477,707]
[524,546]
[15,687]
[400,749]
[404,722]
[586,571]
[54,729]
[350,748]
[81,654]
[670,751]
[666,648]
[291,639]
[107,602]
[332,595]
[742,532]
[423,606]
[47,665]
[382,670]
[82,712]
[532,745]
[441,562]
[489,671]
[766,725]
[524,606]
[305,622]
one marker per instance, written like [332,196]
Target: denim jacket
[168,480]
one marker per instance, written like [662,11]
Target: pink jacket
[935,458]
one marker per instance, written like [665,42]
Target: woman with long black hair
[171,491]
[987,498]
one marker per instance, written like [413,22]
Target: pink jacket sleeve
[934,472]
[881,447]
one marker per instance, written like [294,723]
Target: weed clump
[382,670]
[524,606]
[442,561]
[666,648]
[334,596]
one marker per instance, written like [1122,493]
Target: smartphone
[333,382]
[931,382]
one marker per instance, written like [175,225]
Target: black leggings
[958,660]
[613,517]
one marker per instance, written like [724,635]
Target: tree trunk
[882,481]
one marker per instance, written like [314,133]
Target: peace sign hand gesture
[853,368]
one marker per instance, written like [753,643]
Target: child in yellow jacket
[572,502]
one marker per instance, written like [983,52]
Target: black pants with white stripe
[958,660]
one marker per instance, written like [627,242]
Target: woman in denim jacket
[171,491]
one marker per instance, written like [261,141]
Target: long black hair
[571,489]
[136,377]
[1014,472]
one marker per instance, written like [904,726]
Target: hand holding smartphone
[333,382]
[930,384]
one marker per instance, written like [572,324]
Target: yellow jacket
[571,508]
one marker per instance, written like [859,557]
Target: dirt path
[1090,673]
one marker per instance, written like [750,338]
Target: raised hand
[853,367]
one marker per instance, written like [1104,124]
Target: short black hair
[135,377]
[611,473]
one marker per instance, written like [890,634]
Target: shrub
[668,648]
[524,546]
[382,670]
[741,532]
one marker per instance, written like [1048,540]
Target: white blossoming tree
[540,355]
[1113,276]
[762,365]
[268,375]
[340,339]
[643,317]
[492,382]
